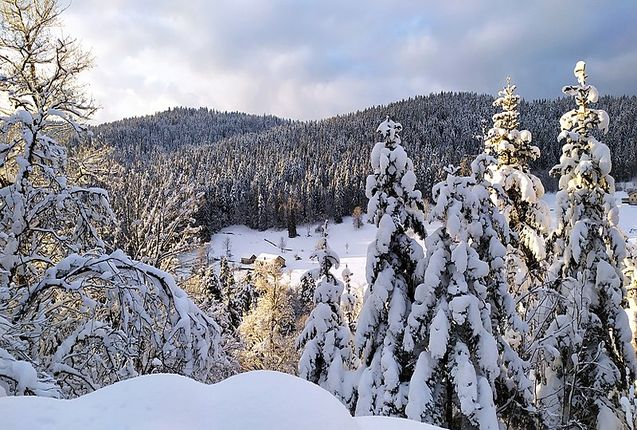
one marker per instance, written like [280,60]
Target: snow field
[348,242]
[260,400]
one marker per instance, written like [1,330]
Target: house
[271,258]
[632,197]
[248,260]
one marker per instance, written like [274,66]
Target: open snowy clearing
[628,218]
[249,401]
[348,242]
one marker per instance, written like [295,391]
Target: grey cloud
[311,59]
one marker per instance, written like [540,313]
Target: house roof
[268,257]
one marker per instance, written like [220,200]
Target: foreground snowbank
[250,401]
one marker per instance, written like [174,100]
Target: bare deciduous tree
[74,316]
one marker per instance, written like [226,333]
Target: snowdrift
[250,401]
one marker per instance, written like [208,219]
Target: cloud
[307,59]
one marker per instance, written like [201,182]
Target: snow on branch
[103,318]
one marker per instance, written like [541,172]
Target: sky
[305,59]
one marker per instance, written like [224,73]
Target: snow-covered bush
[97,319]
[18,375]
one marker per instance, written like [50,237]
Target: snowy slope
[250,401]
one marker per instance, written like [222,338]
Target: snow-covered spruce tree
[268,331]
[589,362]
[467,375]
[521,203]
[326,341]
[395,207]
[204,286]
[209,283]
[230,292]
[350,302]
[247,295]
[239,298]
[225,299]
[71,314]
[306,290]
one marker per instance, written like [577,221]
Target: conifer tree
[306,290]
[204,286]
[231,296]
[395,206]
[466,370]
[520,202]
[210,283]
[247,295]
[349,300]
[326,340]
[589,362]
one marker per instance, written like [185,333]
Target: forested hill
[179,127]
[317,169]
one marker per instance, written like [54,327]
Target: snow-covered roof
[268,257]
